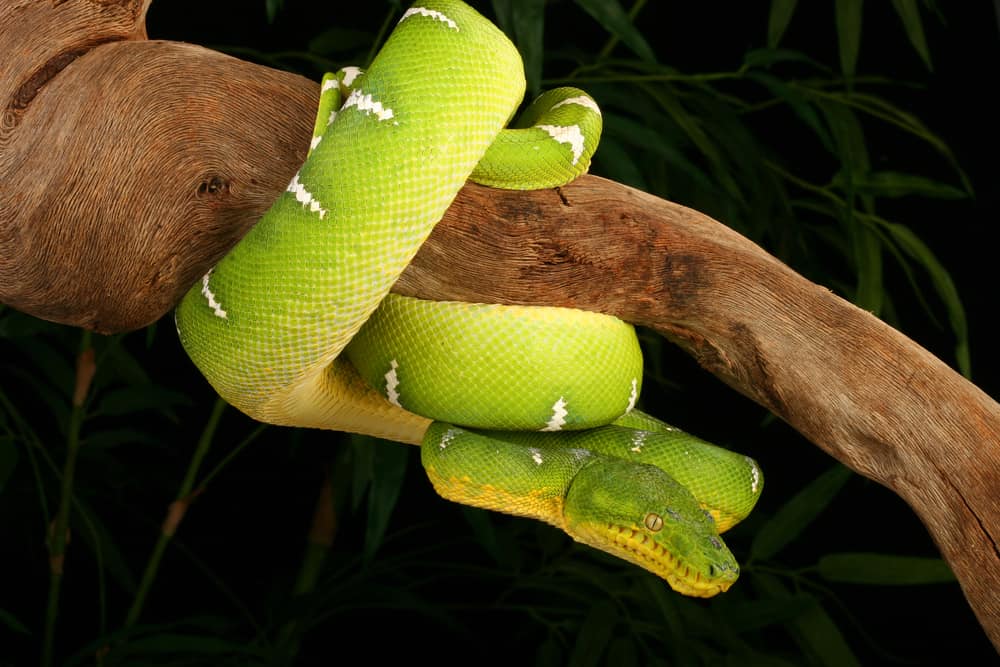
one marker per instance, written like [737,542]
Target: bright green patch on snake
[393,146]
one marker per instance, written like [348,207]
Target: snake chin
[704,577]
[640,514]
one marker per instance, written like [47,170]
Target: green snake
[523,410]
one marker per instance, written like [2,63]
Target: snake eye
[653,521]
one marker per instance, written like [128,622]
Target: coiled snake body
[522,410]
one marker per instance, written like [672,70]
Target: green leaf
[798,103]
[596,631]
[641,136]
[337,40]
[614,161]
[849,139]
[615,20]
[884,569]
[911,244]
[848,13]
[749,615]
[906,121]
[390,463]
[867,252]
[796,514]
[770,57]
[128,400]
[895,184]
[823,640]
[99,540]
[909,14]
[8,459]
[8,619]
[777,20]
[524,22]
[272,7]
[813,629]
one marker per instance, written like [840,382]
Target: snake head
[639,513]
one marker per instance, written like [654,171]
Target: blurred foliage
[793,148]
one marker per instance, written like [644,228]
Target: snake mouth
[639,547]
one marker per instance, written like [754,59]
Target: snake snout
[639,513]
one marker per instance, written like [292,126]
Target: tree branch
[110,207]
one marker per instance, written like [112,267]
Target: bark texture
[128,167]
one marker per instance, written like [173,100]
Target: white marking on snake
[558,418]
[391,383]
[582,100]
[210,297]
[315,142]
[633,397]
[638,440]
[754,475]
[303,197]
[448,436]
[536,456]
[431,13]
[350,74]
[569,134]
[365,102]
[332,83]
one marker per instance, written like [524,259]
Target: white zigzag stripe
[365,102]
[558,419]
[303,197]
[754,474]
[431,13]
[350,74]
[391,383]
[210,297]
[567,135]
[633,397]
[582,100]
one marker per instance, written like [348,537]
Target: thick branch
[129,167]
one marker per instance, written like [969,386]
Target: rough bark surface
[128,167]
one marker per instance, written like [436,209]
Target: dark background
[433,591]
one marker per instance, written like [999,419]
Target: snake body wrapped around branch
[523,410]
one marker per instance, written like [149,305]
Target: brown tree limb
[110,206]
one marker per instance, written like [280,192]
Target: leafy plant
[198,537]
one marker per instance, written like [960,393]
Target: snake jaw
[684,576]
[640,514]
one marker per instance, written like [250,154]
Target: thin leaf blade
[909,14]
[614,19]
[793,517]
[848,14]
[778,19]
[876,569]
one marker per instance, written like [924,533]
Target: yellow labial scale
[649,555]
